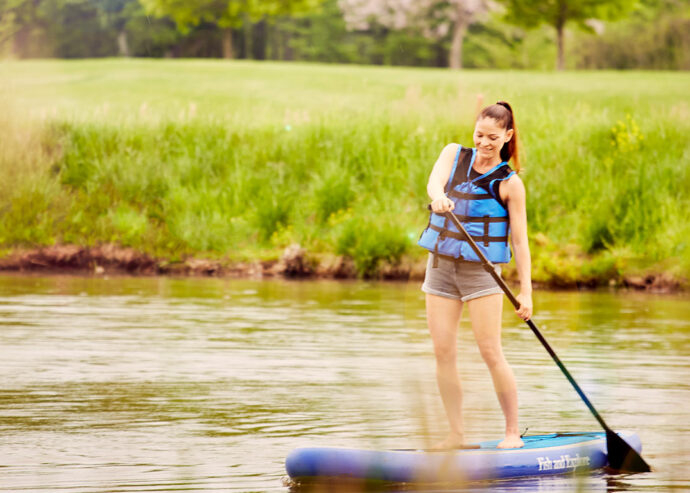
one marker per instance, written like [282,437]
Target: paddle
[622,457]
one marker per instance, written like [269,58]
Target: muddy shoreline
[294,263]
[112,259]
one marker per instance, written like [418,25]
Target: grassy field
[237,160]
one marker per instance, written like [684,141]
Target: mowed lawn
[239,159]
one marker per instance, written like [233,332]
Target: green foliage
[334,191]
[496,44]
[60,28]
[320,36]
[226,13]
[32,203]
[371,239]
[653,36]
[149,36]
[241,159]
[403,48]
[558,12]
[656,37]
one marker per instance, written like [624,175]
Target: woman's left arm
[515,199]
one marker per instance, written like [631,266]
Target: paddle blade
[622,457]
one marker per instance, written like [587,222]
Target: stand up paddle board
[542,454]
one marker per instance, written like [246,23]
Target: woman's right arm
[439,177]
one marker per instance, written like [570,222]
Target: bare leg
[443,316]
[485,315]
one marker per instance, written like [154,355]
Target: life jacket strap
[442,232]
[459,236]
[486,231]
[470,196]
[481,219]
[460,260]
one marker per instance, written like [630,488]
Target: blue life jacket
[480,211]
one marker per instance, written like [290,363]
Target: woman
[489,199]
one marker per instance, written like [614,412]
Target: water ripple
[202,384]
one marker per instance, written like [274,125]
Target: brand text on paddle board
[564,462]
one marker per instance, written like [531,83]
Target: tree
[64,28]
[557,13]
[15,16]
[77,29]
[150,36]
[434,18]
[226,14]
[115,14]
[463,14]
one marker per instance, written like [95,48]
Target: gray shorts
[462,281]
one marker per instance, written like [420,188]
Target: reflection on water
[596,481]
[158,384]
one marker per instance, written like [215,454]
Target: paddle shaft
[491,270]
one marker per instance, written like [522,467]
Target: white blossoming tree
[434,18]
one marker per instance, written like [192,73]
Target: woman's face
[489,137]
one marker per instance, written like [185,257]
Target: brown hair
[503,114]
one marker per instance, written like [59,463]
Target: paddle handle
[490,268]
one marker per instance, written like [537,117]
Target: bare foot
[511,441]
[453,441]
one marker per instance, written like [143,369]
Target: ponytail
[503,114]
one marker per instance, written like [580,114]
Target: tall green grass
[239,160]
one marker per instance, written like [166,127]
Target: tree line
[643,34]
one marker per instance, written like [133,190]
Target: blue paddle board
[556,453]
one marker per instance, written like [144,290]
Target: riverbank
[232,163]
[294,262]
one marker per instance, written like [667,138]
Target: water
[158,384]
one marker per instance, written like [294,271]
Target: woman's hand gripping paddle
[622,457]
